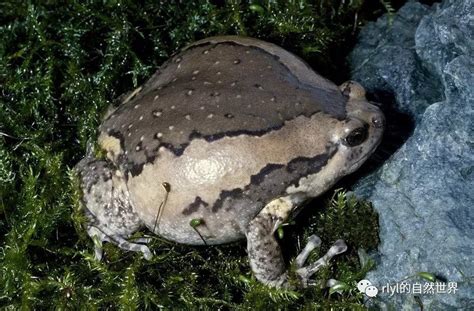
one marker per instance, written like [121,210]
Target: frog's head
[362,130]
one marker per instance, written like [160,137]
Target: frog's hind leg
[99,236]
[266,260]
[108,208]
[123,243]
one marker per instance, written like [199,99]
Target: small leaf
[195,222]
[427,276]
[363,257]
[256,8]
[338,287]
[244,279]
[280,232]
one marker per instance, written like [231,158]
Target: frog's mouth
[367,155]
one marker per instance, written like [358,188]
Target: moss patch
[61,66]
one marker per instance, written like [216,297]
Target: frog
[225,142]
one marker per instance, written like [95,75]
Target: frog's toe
[305,273]
[98,237]
[133,247]
[142,240]
[313,242]
[147,254]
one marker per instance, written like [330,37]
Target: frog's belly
[225,183]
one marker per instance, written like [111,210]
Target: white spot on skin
[217,62]
[193,78]
[247,52]
[173,107]
[218,73]
[273,99]
[179,66]
[206,52]
[137,106]
[171,127]
[232,84]
[156,97]
[141,118]
[238,96]
[142,138]
[159,135]
[130,125]
[195,72]
[219,82]
[189,92]
[207,83]
[210,116]
[157,113]
[187,117]
[137,148]
[202,108]
[129,134]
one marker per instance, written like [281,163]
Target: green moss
[61,66]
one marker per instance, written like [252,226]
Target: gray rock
[423,193]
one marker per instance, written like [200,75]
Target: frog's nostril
[378,121]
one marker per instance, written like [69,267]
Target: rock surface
[423,192]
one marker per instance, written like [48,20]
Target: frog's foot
[99,236]
[305,273]
[266,260]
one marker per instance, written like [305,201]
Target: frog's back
[222,123]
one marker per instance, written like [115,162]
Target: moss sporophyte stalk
[61,67]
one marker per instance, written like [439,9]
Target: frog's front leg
[266,260]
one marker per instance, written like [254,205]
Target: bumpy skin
[220,132]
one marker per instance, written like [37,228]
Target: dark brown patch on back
[213,96]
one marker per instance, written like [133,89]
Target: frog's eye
[356,137]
